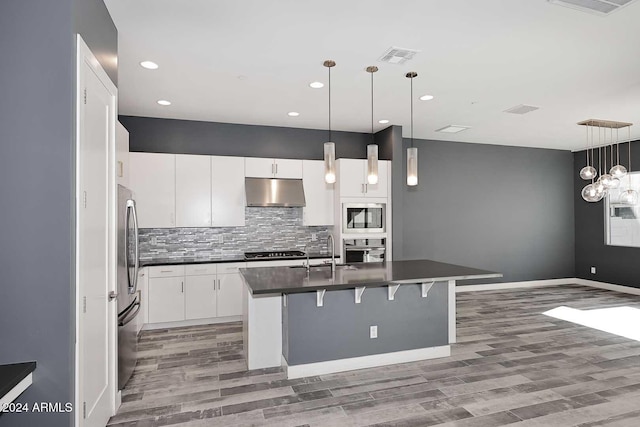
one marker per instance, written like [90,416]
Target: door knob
[113,295]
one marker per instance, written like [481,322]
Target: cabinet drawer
[230,268]
[166,271]
[200,269]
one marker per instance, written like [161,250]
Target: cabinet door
[193,191]
[318,194]
[257,167]
[351,177]
[152,177]
[227,191]
[379,189]
[122,155]
[166,299]
[143,288]
[230,294]
[288,168]
[200,297]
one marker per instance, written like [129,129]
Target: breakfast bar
[321,320]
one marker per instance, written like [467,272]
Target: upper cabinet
[318,194]
[193,191]
[122,155]
[227,191]
[256,167]
[352,178]
[152,177]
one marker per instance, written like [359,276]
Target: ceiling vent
[453,129]
[521,109]
[397,55]
[598,7]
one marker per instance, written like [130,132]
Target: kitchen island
[317,321]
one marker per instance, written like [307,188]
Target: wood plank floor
[513,365]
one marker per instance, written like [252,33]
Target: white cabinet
[230,285]
[152,177]
[256,167]
[352,178]
[122,155]
[166,299]
[193,191]
[227,191]
[200,297]
[143,288]
[318,194]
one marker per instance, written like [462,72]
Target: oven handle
[367,248]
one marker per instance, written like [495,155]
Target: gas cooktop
[274,255]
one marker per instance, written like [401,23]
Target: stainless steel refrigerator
[128,294]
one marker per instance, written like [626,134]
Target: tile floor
[512,365]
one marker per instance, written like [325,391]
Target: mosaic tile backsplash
[266,229]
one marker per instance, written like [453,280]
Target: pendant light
[329,147]
[615,182]
[588,172]
[629,196]
[618,171]
[606,179]
[600,189]
[412,152]
[372,149]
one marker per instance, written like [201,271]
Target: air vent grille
[599,7]
[521,109]
[397,55]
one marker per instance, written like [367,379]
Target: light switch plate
[593,270]
[373,331]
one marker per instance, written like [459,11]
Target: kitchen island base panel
[362,362]
[262,330]
[451,289]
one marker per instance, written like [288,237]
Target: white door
[288,168]
[227,191]
[351,177]
[318,194]
[193,191]
[166,299]
[257,167]
[230,294]
[152,177]
[95,241]
[379,189]
[200,297]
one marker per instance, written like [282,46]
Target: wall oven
[363,218]
[364,250]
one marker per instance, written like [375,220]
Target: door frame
[85,56]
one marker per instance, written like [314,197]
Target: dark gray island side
[361,315]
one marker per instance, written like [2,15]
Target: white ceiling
[477,58]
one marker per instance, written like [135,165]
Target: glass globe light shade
[589,193]
[588,172]
[618,171]
[629,197]
[599,186]
[606,180]
[615,183]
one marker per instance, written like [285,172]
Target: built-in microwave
[363,218]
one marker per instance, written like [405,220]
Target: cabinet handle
[276,169]
[182,285]
[366,188]
[272,169]
[166,271]
[218,284]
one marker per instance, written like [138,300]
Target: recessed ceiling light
[164,102]
[426,97]
[293,114]
[149,65]
[452,129]
[383,121]
[316,85]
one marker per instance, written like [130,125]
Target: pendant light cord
[411,112]
[330,104]
[372,138]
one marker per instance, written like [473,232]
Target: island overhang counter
[315,321]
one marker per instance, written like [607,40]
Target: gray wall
[93,22]
[613,264]
[506,209]
[36,186]
[340,329]
[226,139]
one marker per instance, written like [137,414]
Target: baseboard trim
[195,322]
[608,286]
[362,362]
[515,285]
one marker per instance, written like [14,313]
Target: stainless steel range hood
[271,192]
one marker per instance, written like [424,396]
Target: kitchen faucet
[306,252]
[333,252]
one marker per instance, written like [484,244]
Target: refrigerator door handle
[130,318]
[132,204]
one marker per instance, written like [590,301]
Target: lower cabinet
[198,291]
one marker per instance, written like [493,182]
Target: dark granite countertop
[277,280]
[11,375]
[219,259]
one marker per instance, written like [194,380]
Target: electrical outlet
[314,237]
[373,331]
[154,240]
[221,238]
[593,270]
